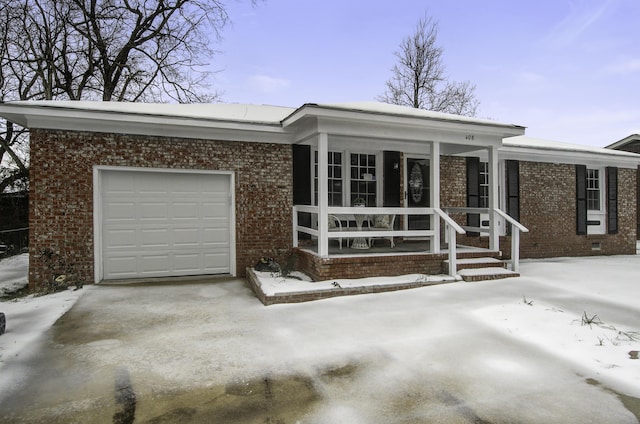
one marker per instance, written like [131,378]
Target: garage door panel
[187,237]
[187,262]
[118,184]
[149,184]
[215,237]
[120,212]
[120,239]
[154,237]
[185,211]
[165,224]
[124,267]
[215,262]
[153,211]
[154,264]
[215,210]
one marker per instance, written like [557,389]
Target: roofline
[570,156]
[292,118]
[628,139]
[46,116]
[51,106]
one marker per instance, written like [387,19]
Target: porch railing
[516,229]
[451,227]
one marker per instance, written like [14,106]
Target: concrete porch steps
[483,268]
[481,262]
[484,274]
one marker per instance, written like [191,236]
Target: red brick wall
[548,209]
[61,203]
[321,269]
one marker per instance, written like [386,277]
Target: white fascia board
[567,157]
[410,132]
[141,124]
[502,130]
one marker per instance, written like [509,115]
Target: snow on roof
[218,111]
[390,109]
[523,141]
[630,139]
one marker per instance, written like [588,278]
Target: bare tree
[419,80]
[111,50]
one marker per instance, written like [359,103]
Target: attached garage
[163,223]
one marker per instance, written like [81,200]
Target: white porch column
[494,233]
[434,190]
[323,198]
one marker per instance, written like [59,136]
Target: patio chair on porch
[382,223]
[335,225]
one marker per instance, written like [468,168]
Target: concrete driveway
[210,352]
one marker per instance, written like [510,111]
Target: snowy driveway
[455,353]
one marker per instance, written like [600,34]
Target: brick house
[131,191]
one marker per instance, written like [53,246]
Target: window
[363,178]
[484,185]
[334,160]
[593,190]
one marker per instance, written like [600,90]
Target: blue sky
[567,70]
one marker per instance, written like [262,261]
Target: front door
[417,191]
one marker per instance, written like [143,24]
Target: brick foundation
[320,269]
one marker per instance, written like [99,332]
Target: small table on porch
[360,242]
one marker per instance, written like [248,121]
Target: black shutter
[581,199]
[513,189]
[302,183]
[301,175]
[473,192]
[612,200]
[391,179]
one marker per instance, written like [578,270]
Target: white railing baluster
[295,226]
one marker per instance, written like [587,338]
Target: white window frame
[346,174]
[314,164]
[600,214]
[502,200]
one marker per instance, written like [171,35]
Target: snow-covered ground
[600,348]
[30,316]
[13,273]
[547,312]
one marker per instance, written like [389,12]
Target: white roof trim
[393,113]
[539,150]
[628,139]
[211,122]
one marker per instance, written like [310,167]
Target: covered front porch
[369,190]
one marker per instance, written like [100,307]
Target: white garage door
[165,224]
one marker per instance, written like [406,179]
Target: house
[131,191]
[631,143]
